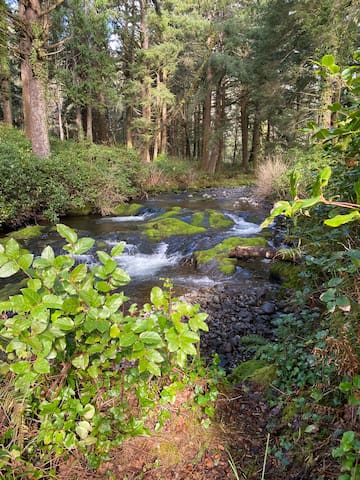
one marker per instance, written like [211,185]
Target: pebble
[234,313]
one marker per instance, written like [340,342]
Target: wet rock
[268,308]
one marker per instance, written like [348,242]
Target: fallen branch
[290,255]
[251,252]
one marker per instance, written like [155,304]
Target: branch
[50,9]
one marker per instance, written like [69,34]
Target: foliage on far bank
[78,177]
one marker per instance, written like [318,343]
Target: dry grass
[271,178]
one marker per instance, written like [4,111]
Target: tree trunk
[6,99]
[164,120]
[89,124]
[206,126]
[146,102]
[217,144]
[128,130]
[33,76]
[102,130]
[245,130]
[255,146]
[79,124]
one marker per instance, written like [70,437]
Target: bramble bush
[79,370]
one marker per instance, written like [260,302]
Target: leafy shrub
[78,368]
[75,176]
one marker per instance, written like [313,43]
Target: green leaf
[158,298]
[127,339]
[118,249]
[9,269]
[71,305]
[48,254]
[355,257]
[89,411]
[20,368]
[357,190]
[294,184]
[83,245]
[197,323]
[151,338]
[12,249]
[328,61]
[64,323]
[341,219]
[115,302]
[146,366]
[103,256]
[114,331]
[121,277]
[52,301]
[79,273]
[83,429]
[103,287]
[173,340]
[31,296]
[41,365]
[66,232]
[25,261]
[81,361]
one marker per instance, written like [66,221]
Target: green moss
[198,219]
[212,219]
[126,209]
[219,220]
[171,213]
[166,227]
[220,252]
[255,370]
[228,266]
[26,233]
[245,370]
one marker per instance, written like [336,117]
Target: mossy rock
[171,213]
[167,227]
[32,231]
[220,253]
[218,220]
[211,219]
[257,371]
[198,219]
[126,209]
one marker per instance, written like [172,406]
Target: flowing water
[148,261]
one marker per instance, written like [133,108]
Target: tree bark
[146,102]
[206,126]
[6,99]
[217,144]
[79,124]
[164,120]
[255,146]
[33,76]
[89,124]
[245,130]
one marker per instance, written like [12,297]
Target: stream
[237,304]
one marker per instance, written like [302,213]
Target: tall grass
[272,179]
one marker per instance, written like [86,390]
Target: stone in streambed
[268,308]
[219,254]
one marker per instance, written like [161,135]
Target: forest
[181,123]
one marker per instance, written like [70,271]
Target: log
[251,252]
